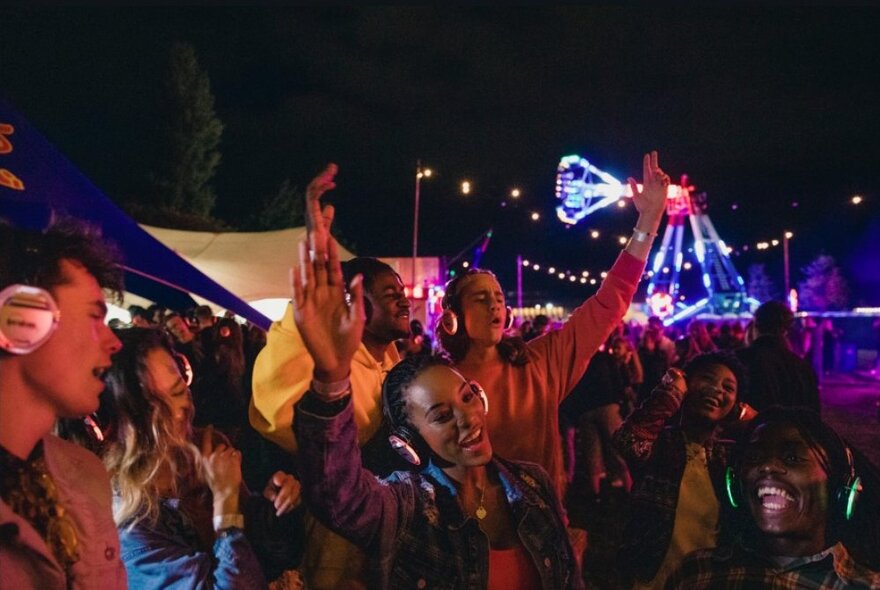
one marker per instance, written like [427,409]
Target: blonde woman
[182,510]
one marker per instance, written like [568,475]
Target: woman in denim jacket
[185,519]
[466,519]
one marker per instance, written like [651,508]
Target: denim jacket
[169,554]
[411,524]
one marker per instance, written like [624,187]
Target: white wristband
[228,521]
[331,391]
[642,236]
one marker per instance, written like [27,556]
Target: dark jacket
[656,455]
[411,524]
[777,376]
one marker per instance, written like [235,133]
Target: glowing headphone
[28,315]
[449,318]
[408,443]
[845,497]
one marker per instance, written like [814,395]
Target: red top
[512,569]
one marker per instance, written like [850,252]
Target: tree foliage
[190,137]
[824,287]
[761,286]
[282,209]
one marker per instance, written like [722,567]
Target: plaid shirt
[734,566]
[656,457]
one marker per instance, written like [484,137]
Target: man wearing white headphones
[56,524]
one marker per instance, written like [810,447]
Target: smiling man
[56,525]
[794,491]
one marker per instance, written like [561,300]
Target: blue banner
[36,180]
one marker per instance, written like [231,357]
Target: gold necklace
[480,512]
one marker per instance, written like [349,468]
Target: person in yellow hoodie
[283,374]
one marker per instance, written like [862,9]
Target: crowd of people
[349,447]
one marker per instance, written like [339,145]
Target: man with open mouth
[793,491]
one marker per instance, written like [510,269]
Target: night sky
[762,107]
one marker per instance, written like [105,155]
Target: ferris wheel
[582,188]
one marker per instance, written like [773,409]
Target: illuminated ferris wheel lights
[789,235]
[594,234]
[857,200]
[551,270]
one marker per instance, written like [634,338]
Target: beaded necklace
[29,490]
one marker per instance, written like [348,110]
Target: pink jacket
[84,491]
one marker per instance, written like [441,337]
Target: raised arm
[283,369]
[338,490]
[650,202]
[635,438]
[567,352]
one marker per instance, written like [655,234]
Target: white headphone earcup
[404,449]
[28,317]
[449,322]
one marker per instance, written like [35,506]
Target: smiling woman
[466,519]
[678,468]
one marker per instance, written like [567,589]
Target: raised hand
[650,202]
[331,329]
[284,491]
[318,220]
[222,465]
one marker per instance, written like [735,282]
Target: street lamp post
[785,238]
[420,173]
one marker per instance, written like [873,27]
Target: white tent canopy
[252,265]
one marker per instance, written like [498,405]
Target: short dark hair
[33,257]
[204,311]
[725,358]
[773,317]
[369,268]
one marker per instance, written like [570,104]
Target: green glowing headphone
[845,497]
